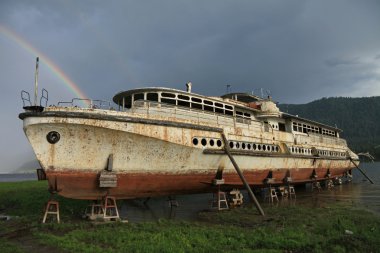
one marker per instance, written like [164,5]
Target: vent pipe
[188,86]
[36,83]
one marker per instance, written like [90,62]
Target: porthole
[264,148]
[249,146]
[259,146]
[254,146]
[204,142]
[237,145]
[277,149]
[212,143]
[53,137]
[195,141]
[219,143]
[231,144]
[243,145]
[273,148]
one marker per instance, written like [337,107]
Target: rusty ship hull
[159,150]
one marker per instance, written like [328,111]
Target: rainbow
[49,63]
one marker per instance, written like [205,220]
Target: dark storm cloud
[341,61]
[299,50]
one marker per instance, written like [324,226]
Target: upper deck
[243,107]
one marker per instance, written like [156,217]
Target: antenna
[36,83]
[228,88]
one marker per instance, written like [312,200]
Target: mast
[36,83]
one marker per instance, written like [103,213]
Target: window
[139,96]
[168,101]
[218,110]
[227,112]
[196,106]
[183,103]
[209,108]
[183,97]
[281,127]
[127,101]
[168,95]
[198,100]
[152,97]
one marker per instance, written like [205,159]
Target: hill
[359,118]
[28,167]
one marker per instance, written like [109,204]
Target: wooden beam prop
[245,183]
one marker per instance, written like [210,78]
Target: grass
[289,228]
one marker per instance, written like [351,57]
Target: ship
[157,141]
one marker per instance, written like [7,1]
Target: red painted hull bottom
[85,185]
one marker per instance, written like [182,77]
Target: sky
[296,51]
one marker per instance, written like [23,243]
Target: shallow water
[359,191]
[17,177]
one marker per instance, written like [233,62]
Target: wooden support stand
[329,184]
[284,192]
[95,211]
[219,199]
[316,186]
[51,208]
[106,210]
[292,192]
[172,201]
[272,195]
[236,198]
[110,208]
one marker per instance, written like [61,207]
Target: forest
[359,118]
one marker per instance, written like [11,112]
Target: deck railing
[87,103]
[179,112]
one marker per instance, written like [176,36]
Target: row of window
[254,146]
[263,147]
[308,151]
[235,145]
[207,142]
[305,128]
[328,132]
[300,150]
[187,101]
[331,153]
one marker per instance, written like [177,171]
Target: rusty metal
[41,175]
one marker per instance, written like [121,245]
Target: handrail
[91,103]
[25,96]
[44,97]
